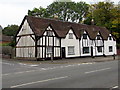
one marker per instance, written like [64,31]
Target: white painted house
[42,38]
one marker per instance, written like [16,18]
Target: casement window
[84,36]
[99,49]
[49,33]
[71,50]
[85,50]
[49,50]
[70,35]
[98,37]
[110,48]
[110,37]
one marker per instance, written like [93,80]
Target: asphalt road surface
[80,75]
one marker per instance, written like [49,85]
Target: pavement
[68,61]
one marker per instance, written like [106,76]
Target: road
[79,75]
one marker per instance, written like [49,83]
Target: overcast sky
[13,11]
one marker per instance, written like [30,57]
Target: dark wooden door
[63,52]
[91,51]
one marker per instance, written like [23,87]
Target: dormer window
[84,36]
[49,33]
[70,35]
[98,37]
[110,37]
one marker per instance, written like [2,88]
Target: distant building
[5,39]
[42,38]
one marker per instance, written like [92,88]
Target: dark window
[84,36]
[98,37]
[85,50]
[71,50]
[110,48]
[110,38]
[99,49]
[49,33]
[70,35]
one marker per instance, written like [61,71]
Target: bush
[118,46]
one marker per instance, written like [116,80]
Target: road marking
[97,70]
[38,82]
[7,63]
[115,87]
[43,69]
[19,72]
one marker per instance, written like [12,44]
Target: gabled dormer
[110,37]
[85,36]
[49,31]
[99,36]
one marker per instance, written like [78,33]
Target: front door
[91,51]
[63,52]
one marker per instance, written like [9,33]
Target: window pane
[110,38]
[99,49]
[49,33]
[85,50]
[49,49]
[71,50]
[110,48]
[70,35]
[98,37]
[84,36]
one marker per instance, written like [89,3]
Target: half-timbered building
[41,38]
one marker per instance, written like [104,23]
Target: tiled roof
[61,28]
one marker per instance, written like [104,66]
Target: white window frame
[84,36]
[49,33]
[71,50]
[99,47]
[110,49]
[70,35]
[49,50]
[86,52]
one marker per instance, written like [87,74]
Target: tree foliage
[10,30]
[104,14]
[66,11]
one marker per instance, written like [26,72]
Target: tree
[10,30]
[40,12]
[66,11]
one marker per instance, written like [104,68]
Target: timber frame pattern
[41,38]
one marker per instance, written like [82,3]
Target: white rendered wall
[25,45]
[108,43]
[65,42]
[27,30]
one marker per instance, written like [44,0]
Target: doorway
[63,52]
[91,51]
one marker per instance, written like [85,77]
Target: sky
[13,11]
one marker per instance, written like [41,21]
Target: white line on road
[43,69]
[7,63]
[38,82]
[115,87]
[97,70]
